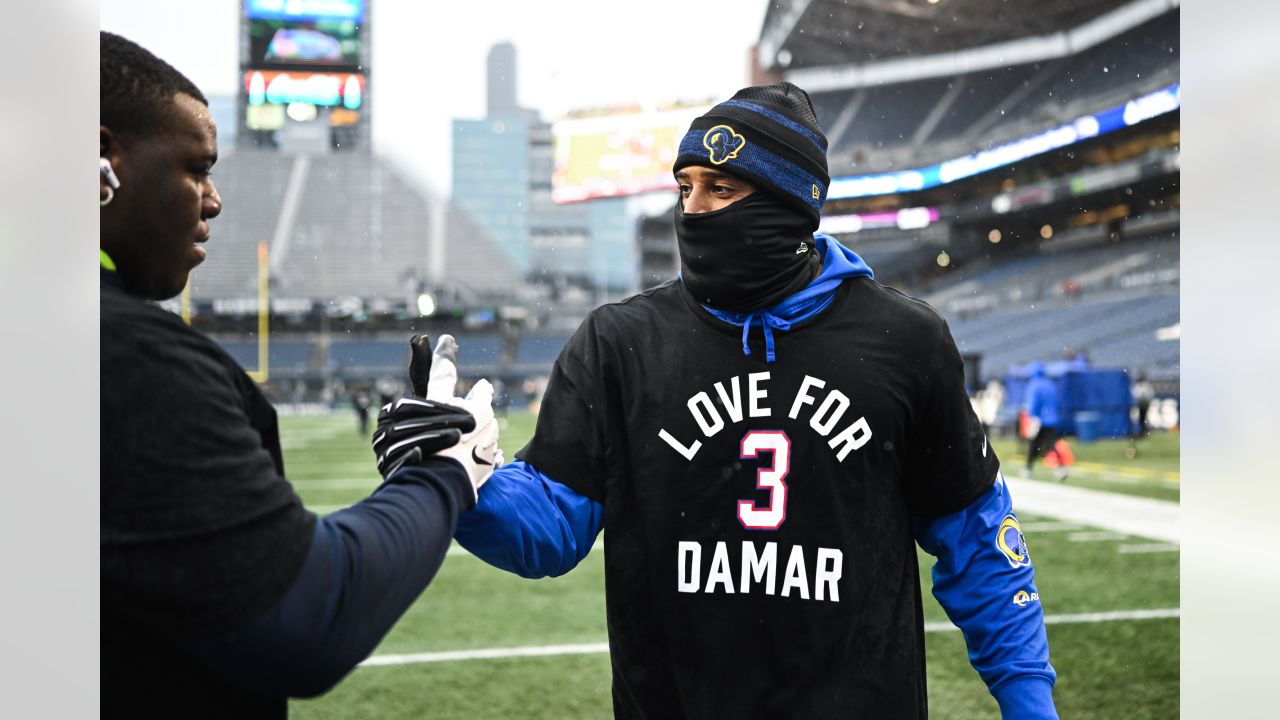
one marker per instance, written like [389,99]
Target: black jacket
[200,531]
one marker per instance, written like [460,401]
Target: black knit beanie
[768,135]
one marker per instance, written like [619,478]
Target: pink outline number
[771,478]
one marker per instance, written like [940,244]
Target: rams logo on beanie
[723,143]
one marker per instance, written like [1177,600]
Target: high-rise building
[304,67]
[491,180]
[502,169]
[501,81]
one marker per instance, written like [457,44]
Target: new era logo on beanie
[769,135]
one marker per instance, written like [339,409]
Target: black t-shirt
[200,530]
[759,555]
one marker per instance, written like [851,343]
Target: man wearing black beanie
[764,491]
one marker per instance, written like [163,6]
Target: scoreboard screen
[293,43]
[617,154]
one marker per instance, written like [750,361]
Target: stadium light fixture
[426,305]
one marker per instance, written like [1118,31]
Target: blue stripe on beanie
[781,119]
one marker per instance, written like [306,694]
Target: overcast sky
[428,60]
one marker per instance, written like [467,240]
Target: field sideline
[481,643]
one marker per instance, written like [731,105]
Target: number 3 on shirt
[770,478]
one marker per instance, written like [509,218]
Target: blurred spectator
[1143,393]
[360,401]
[987,403]
[1043,405]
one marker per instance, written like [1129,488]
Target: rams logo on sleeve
[724,144]
[1010,542]
[1022,598]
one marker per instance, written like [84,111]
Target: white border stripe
[596,648]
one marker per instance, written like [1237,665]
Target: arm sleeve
[529,524]
[984,580]
[366,566]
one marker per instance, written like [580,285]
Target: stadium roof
[813,33]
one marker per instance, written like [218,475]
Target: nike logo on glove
[479,460]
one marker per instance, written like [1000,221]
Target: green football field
[481,643]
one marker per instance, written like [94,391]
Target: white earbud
[104,166]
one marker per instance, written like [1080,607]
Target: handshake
[434,421]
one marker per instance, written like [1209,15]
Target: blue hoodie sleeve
[984,580]
[529,524]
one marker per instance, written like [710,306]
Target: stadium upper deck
[900,84]
[341,225]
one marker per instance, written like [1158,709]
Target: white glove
[478,450]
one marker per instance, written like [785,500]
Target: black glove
[413,428]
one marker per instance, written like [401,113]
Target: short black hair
[136,86]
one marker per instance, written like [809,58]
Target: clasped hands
[436,422]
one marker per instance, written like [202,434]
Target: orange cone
[1060,455]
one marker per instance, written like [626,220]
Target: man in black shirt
[764,438]
[221,595]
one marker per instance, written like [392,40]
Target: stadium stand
[342,225]
[906,124]
[288,357]
[1051,305]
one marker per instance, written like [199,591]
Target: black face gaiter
[745,256]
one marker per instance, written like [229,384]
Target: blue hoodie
[1041,398]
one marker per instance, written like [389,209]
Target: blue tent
[1098,400]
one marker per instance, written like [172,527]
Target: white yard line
[1096,536]
[368,483]
[1051,526]
[1141,517]
[1147,548]
[596,648]
[486,654]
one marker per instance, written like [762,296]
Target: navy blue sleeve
[529,524]
[366,566]
[984,580]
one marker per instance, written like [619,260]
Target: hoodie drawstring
[769,321]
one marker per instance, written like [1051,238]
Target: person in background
[360,401]
[764,438]
[221,595]
[1143,394]
[1043,405]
